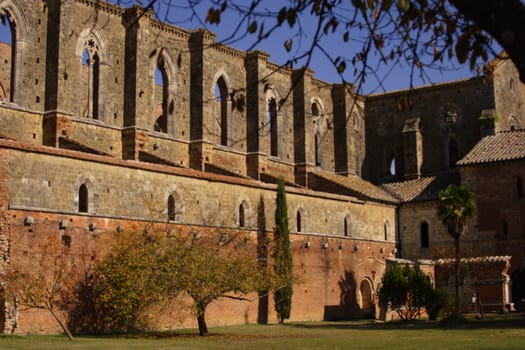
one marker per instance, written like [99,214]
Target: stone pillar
[344,132]
[257,141]
[137,111]
[201,118]
[303,128]
[412,148]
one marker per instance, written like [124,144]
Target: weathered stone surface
[82,109]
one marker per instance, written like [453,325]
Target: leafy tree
[436,301]
[156,267]
[125,281]
[213,267]
[456,208]
[283,265]
[406,290]
[45,283]
[420,34]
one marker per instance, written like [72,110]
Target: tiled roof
[422,189]
[476,260]
[272,179]
[354,185]
[507,145]
[216,169]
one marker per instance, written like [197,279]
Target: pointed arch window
[316,111]
[392,166]
[319,120]
[298,221]
[386,229]
[347,228]
[83,199]
[91,77]
[8,35]
[242,213]
[425,242]
[222,113]
[273,127]
[162,84]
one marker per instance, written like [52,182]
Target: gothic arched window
[83,199]
[222,113]
[91,79]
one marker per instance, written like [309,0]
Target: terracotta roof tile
[476,260]
[506,145]
[422,189]
[354,185]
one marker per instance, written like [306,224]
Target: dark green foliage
[124,282]
[406,290]
[456,208]
[283,257]
[145,270]
[437,300]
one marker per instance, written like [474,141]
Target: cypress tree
[282,257]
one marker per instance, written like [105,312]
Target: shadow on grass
[495,321]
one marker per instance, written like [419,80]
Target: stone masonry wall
[332,266]
[49,181]
[446,111]
[499,209]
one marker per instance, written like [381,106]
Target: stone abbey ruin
[89,142]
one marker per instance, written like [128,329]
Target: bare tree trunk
[201,320]
[59,321]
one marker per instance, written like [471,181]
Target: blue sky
[392,77]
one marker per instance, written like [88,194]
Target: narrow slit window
[171,208]
[242,222]
[83,201]
[392,166]
[161,84]
[273,127]
[221,110]
[424,235]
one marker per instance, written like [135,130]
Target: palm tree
[455,210]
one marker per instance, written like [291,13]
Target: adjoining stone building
[91,143]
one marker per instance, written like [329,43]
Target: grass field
[495,332]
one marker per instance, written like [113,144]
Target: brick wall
[500,208]
[331,269]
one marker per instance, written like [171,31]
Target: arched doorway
[367,298]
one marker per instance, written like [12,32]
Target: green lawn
[495,332]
